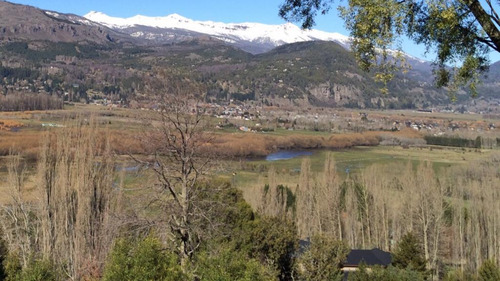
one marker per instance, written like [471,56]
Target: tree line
[453,214]
[26,102]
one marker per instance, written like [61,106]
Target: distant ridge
[21,22]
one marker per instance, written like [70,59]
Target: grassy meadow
[251,175]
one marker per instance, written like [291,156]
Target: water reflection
[287,154]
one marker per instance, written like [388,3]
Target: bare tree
[274,197]
[429,212]
[66,217]
[75,185]
[307,220]
[329,199]
[179,145]
[20,226]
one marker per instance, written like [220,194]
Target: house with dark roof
[370,258]
[373,257]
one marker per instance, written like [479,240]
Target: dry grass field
[127,126]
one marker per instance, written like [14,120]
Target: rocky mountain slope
[19,22]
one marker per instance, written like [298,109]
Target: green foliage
[238,246]
[37,270]
[40,270]
[390,273]
[305,11]
[459,275]
[19,73]
[3,256]
[453,141]
[408,254]
[144,260]
[47,51]
[283,193]
[291,198]
[224,210]
[272,241]
[12,267]
[375,24]
[458,31]
[323,259]
[489,271]
[229,265]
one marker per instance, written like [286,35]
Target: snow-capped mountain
[252,37]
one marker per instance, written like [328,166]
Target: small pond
[287,154]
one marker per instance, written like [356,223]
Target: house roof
[303,246]
[369,257]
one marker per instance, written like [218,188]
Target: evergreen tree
[3,256]
[409,254]
[323,259]
[142,261]
[272,241]
[489,271]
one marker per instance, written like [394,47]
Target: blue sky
[228,11]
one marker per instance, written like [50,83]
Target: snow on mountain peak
[251,32]
[177,17]
[112,22]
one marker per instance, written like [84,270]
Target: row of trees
[454,214]
[66,219]
[454,141]
[23,102]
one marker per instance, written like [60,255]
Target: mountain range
[254,38]
[251,37]
[247,61]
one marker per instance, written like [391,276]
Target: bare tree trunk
[305,201]
[177,143]
[75,178]
[19,225]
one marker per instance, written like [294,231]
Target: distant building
[373,257]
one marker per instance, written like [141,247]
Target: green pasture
[352,161]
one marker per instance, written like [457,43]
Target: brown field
[7,125]
[224,145]
[126,127]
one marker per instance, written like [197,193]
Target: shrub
[384,274]
[323,259]
[489,271]
[231,265]
[141,261]
[272,241]
[36,270]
